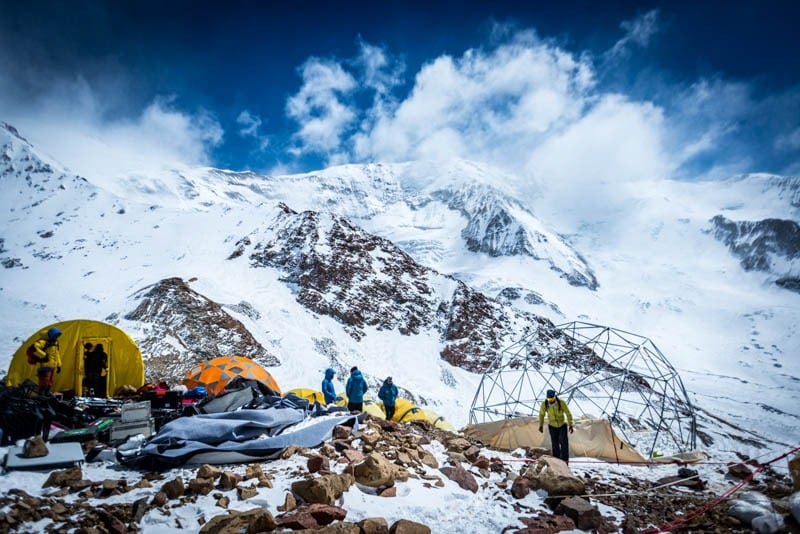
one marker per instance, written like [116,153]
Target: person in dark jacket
[327,386]
[388,394]
[95,366]
[556,411]
[355,388]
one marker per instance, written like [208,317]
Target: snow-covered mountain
[423,271]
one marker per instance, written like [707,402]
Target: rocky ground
[377,457]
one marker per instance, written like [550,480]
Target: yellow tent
[311,395]
[370,406]
[406,411]
[438,421]
[125,365]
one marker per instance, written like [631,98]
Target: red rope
[708,506]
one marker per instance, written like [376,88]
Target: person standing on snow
[327,386]
[388,394]
[355,388]
[48,356]
[556,409]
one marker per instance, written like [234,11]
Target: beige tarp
[592,438]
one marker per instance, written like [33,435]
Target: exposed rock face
[184,328]
[500,226]
[364,280]
[769,245]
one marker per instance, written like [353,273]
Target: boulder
[374,525]
[201,486]
[353,456]
[553,475]
[34,448]
[472,453]
[461,476]
[317,463]
[174,488]
[253,471]
[341,432]
[458,444]
[375,471]
[228,480]
[323,490]
[246,492]
[794,471]
[310,516]
[582,512]
[209,471]
[251,521]
[404,526]
[63,477]
[739,470]
[289,503]
[427,458]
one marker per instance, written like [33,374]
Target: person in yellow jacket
[556,410]
[48,355]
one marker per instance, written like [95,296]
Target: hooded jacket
[327,386]
[388,394]
[356,387]
[47,351]
[555,413]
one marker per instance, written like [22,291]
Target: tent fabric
[406,411]
[215,374]
[244,435]
[125,365]
[311,395]
[369,406]
[438,421]
[592,438]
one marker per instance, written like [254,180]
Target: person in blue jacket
[327,386]
[388,394]
[355,388]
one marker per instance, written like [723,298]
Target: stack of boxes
[135,418]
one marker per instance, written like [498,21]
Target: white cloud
[250,126]
[638,31]
[321,108]
[70,121]
[530,106]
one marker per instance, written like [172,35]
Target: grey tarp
[244,435]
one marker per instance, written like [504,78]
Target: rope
[666,527]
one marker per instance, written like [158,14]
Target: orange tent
[215,374]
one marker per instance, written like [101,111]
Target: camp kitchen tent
[125,365]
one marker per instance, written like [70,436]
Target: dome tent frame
[602,372]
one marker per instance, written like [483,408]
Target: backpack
[30,352]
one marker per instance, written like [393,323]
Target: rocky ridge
[180,328]
[769,245]
[364,280]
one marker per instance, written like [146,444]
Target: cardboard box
[121,430]
[135,411]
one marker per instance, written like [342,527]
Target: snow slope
[79,248]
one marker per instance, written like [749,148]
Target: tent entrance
[94,356]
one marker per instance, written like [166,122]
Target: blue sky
[571,91]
